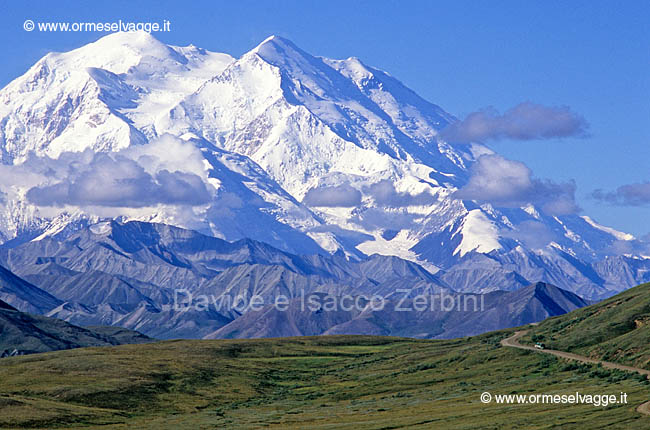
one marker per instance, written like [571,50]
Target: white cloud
[339,196]
[385,194]
[167,171]
[533,234]
[508,183]
[526,121]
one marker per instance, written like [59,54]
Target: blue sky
[592,56]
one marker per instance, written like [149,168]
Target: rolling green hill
[616,329]
[347,382]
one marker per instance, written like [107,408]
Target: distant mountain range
[129,275]
[402,318]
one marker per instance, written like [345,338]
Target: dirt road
[513,342]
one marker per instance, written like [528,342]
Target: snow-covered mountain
[104,96]
[309,154]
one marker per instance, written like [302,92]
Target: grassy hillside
[616,329]
[343,382]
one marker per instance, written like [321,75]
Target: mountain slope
[23,295]
[22,333]
[616,329]
[533,303]
[6,306]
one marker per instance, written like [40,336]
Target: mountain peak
[118,52]
[277,50]
[550,296]
[542,286]
[127,38]
[275,40]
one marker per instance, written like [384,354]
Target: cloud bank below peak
[167,171]
[337,196]
[525,121]
[508,183]
[120,182]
